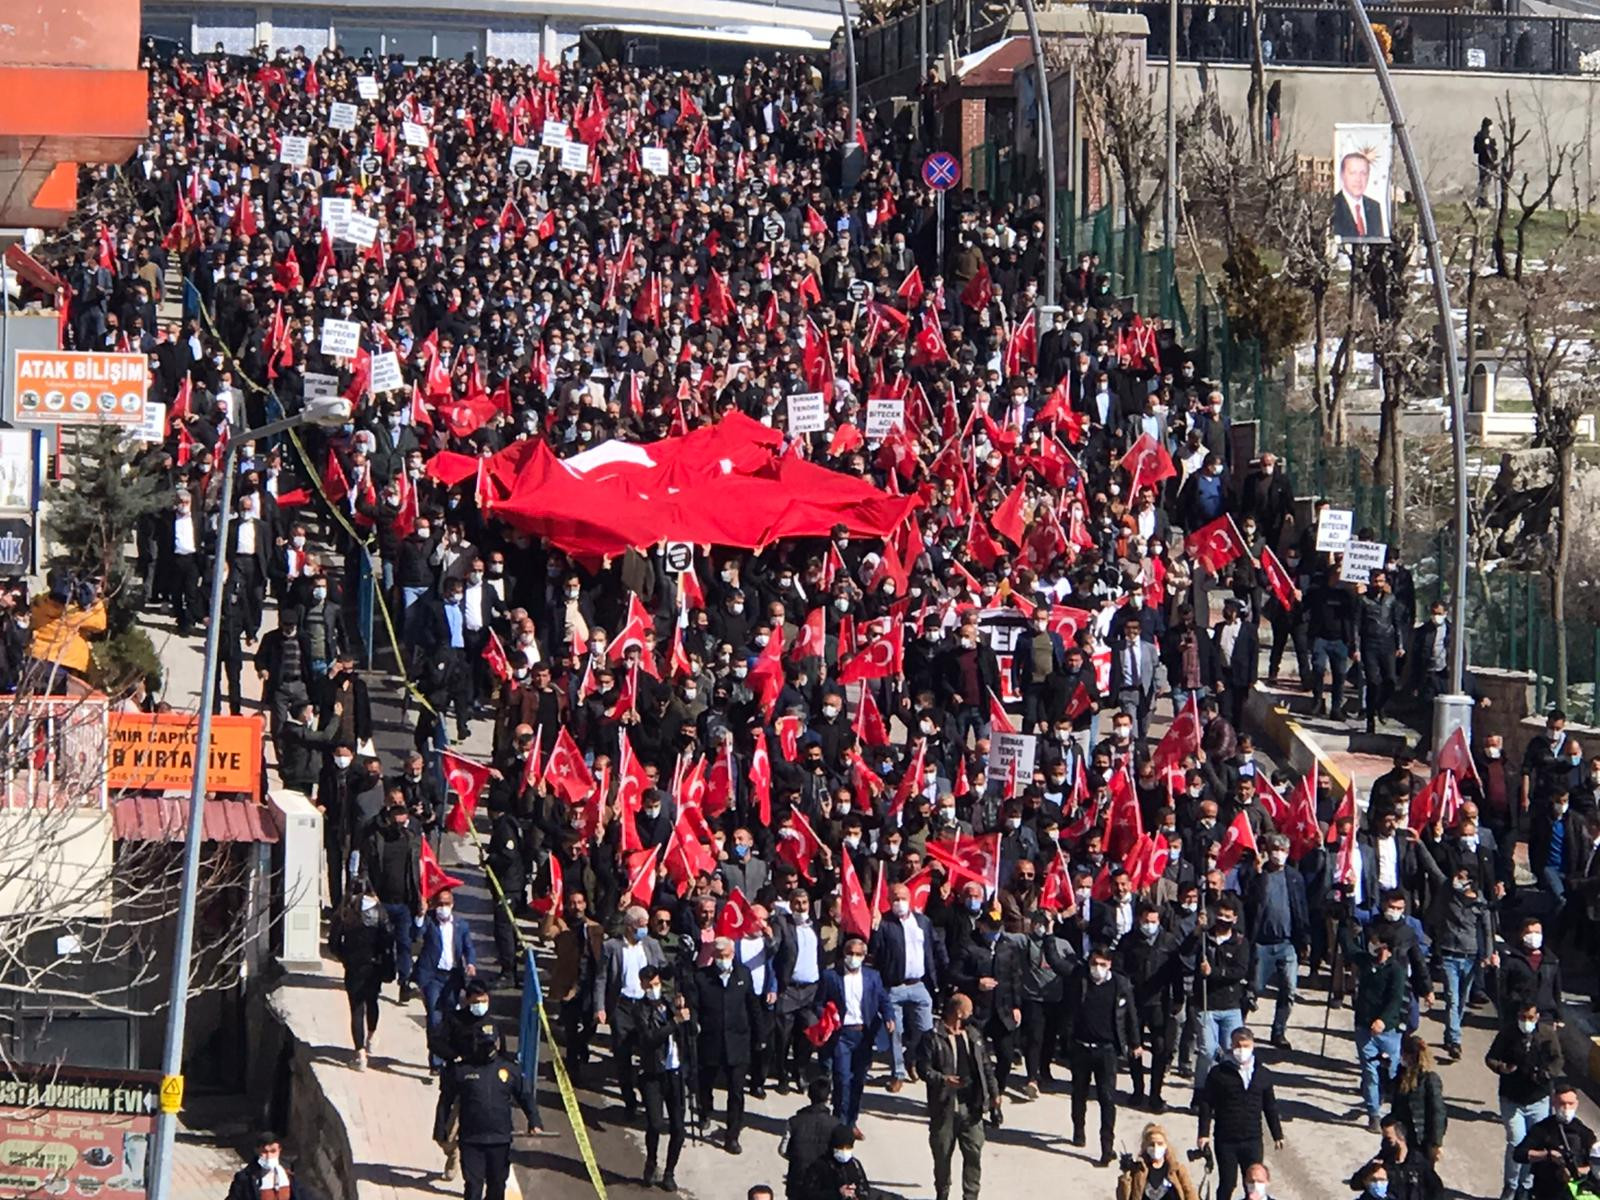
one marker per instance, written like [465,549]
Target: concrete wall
[1442,109]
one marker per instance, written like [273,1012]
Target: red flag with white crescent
[466,780]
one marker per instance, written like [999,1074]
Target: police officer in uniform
[481,1089]
[507,858]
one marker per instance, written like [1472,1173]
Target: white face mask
[368,903]
[1280,857]
[1528,1026]
[1566,1115]
[479,1008]
[1257,1189]
[1243,1054]
[852,962]
[725,966]
[1533,940]
[269,1162]
[1493,752]
[1100,974]
[653,991]
[830,710]
[900,908]
[843,1156]
[1156,1153]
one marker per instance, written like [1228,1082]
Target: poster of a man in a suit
[1362,156]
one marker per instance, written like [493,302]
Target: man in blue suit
[444,964]
[862,1002]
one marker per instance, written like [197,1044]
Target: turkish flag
[1007,519]
[1455,755]
[551,901]
[761,778]
[1079,703]
[910,781]
[855,916]
[1181,739]
[878,659]
[1055,892]
[788,730]
[566,772]
[434,879]
[921,887]
[1278,579]
[911,289]
[467,780]
[798,843]
[1275,805]
[642,879]
[720,786]
[1302,828]
[633,628]
[631,783]
[976,858]
[495,655]
[1147,464]
[1216,544]
[826,1025]
[1160,855]
[1238,838]
[869,726]
[979,290]
[812,640]
[999,720]
[737,919]
[1124,820]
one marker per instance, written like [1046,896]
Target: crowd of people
[770,805]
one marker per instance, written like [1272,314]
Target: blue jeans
[852,1056]
[1553,882]
[1370,1049]
[1278,966]
[913,1017]
[1518,1119]
[1459,972]
[441,994]
[412,594]
[1216,1027]
[1180,698]
[401,927]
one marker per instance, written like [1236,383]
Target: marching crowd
[874,787]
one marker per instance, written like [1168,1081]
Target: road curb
[1294,743]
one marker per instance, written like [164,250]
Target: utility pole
[1047,140]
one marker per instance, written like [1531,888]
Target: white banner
[336,212]
[807,413]
[341,116]
[554,134]
[1333,531]
[656,160]
[341,339]
[1008,748]
[366,87]
[1361,559]
[316,384]
[294,150]
[575,157]
[414,135]
[386,372]
[361,230]
[884,417]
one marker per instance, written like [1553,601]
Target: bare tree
[1385,277]
[1124,122]
[1530,191]
[1310,259]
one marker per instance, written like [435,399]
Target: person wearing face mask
[180,555]
[466,1024]
[726,1009]
[1157,1173]
[962,1095]
[359,937]
[338,783]
[912,963]
[861,1003]
[1150,959]
[446,960]
[1237,1094]
[265,1174]
[1280,930]
[1530,973]
[966,672]
[1527,1059]
[1555,842]
[1133,677]
[1220,982]
[1559,1148]
[1103,1028]
[1463,941]
[479,1093]
[1428,659]
[1380,1010]
[1495,785]
[618,992]
[1037,665]
[797,961]
[837,1175]
[667,1039]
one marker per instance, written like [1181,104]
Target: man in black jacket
[1221,979]
[482,1088]
[912,962]
[265,1174]
[1527,1058]
[1331,625]
[725,1004]
[805,1137]
[1383,641]
[391,861]
[962,1094]
[1237,1093]
[1558,1147]
[1529,974]
[1280,928]
[1103,1029]
[988,970]
[1149,959]
[665,1040]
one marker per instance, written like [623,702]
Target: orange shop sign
[156,752]
[87,387]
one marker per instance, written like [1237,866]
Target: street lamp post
[331,410]
[1453,710]
[1047,139]
[850,152]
